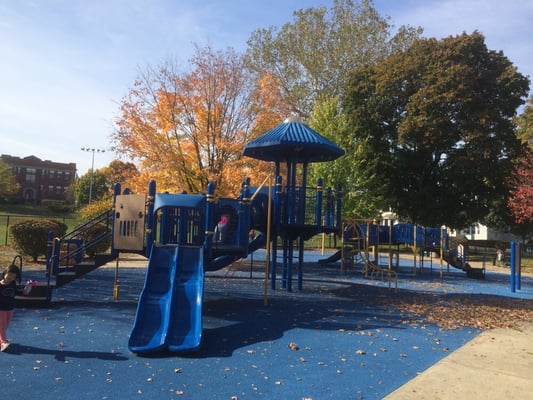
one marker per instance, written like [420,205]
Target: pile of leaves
[446,310]
[459,311]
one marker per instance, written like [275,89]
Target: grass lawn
[10,214]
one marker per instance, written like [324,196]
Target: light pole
[92,150]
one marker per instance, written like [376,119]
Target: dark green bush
[58,206]
[30,237]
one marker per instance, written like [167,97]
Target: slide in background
[453,260]
[224,260]
[169,312]
[332,258]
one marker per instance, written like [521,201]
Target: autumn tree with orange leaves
[186,129]
[123,173]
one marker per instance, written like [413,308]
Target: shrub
[58,206]
[96,208]
[92,233]
[30,237]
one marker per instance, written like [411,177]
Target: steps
[38,297]
[68,274]
[41,295]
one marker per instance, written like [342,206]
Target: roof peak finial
[293,118]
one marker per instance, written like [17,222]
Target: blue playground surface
[335,339]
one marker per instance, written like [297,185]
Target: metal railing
[58,256]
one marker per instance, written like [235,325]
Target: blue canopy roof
[292,141]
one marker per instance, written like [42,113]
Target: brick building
[40,180]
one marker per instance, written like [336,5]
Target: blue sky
[65,64]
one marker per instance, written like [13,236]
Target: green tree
[8,184]
[100,187]
[433,129]
[525,123]
[327,119]
[312,56]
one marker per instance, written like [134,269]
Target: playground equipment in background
[361,239]
[516,266]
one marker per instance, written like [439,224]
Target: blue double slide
[169,312]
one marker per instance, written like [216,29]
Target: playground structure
[181,241]
[180,237]
[361,242]
[176,232]
[180,244]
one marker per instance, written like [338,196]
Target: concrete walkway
[497,364]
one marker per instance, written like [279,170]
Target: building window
[31,174]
